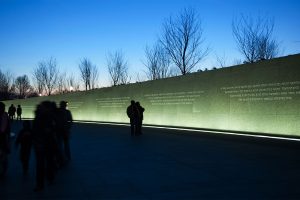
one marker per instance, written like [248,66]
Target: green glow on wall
[262,97]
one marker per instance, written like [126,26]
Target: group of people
[12,110]
[135,112]
[48,135]
[51,135]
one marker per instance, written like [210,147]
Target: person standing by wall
[132,113]
[140,118]
[12,112]
[19,112]
[64,124]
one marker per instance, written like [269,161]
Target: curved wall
[261,97]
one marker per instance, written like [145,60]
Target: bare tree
[6,86]
[139,78]
[61,83]
[164,62]
[4,82]
[22,85]
[157,62]
[50,75]
[151,63]
[254,38]
[72,83]
[221,60]
[125,78]
[94,76]
[89,73]
[237,62]
[46,74]
[182,37]
[117,68]
[37,77]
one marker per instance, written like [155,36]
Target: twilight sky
[69,30]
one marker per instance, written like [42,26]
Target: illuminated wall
[261,97]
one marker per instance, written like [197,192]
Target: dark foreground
[163,164]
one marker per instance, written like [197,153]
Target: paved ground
[163,164]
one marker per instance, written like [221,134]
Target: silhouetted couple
[135,113]
[12,112]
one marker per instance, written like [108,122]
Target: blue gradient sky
[31,31]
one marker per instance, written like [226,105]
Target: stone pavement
[164,164]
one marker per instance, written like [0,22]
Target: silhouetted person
[64,123]
[132,113]
[12,112]
[59,124]
[4,139]
[24,139]
[140,118]
[19,113]
[44,143]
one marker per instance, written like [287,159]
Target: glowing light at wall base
[261,97]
